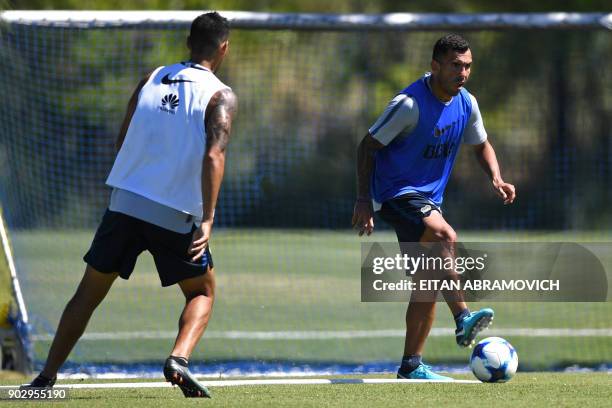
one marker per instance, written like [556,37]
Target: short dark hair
[207,32]
[450,42]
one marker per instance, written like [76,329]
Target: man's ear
[224,47]
[435,66]
[189,42]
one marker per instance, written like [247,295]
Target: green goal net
[309,86]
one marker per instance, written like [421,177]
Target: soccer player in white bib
[403,165]
[165,180]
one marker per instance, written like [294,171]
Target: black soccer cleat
[178,374]
[39,382]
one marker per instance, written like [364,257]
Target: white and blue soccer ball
[494,360]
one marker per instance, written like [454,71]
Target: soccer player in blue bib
[403,165]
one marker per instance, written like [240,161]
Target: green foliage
[306,98]
[6,293]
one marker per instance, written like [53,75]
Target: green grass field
[526,389]
[303,280]
[271,280]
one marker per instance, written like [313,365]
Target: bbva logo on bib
[169,103]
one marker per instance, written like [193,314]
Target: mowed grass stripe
[526,389]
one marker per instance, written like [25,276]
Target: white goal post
[314,21]
[15,342]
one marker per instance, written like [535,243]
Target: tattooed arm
[219,115]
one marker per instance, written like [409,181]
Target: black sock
[461,315]
[410,363]
[181,360]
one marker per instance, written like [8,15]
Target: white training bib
[161,156]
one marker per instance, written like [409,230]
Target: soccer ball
[494,360]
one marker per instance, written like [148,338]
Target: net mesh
[285,258]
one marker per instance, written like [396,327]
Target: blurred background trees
[306,99]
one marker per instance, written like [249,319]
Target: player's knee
[195,291]
[200,286]
[81,301]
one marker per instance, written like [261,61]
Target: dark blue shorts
[120,239]
[405,214]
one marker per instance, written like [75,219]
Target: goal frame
[17,339]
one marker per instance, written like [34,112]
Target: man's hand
[488,161]
[363,216]
[200,239]
[505,190]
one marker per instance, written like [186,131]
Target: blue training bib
[422,162]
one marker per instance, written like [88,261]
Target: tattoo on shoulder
[221,110]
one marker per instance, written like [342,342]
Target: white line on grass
[332,335]
[283,381]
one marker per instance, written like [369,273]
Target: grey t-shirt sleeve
[475,132]
[400,116]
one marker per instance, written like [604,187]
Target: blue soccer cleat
[473,324]
[422,372]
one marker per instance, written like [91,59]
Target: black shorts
[120,239]
[405,214]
